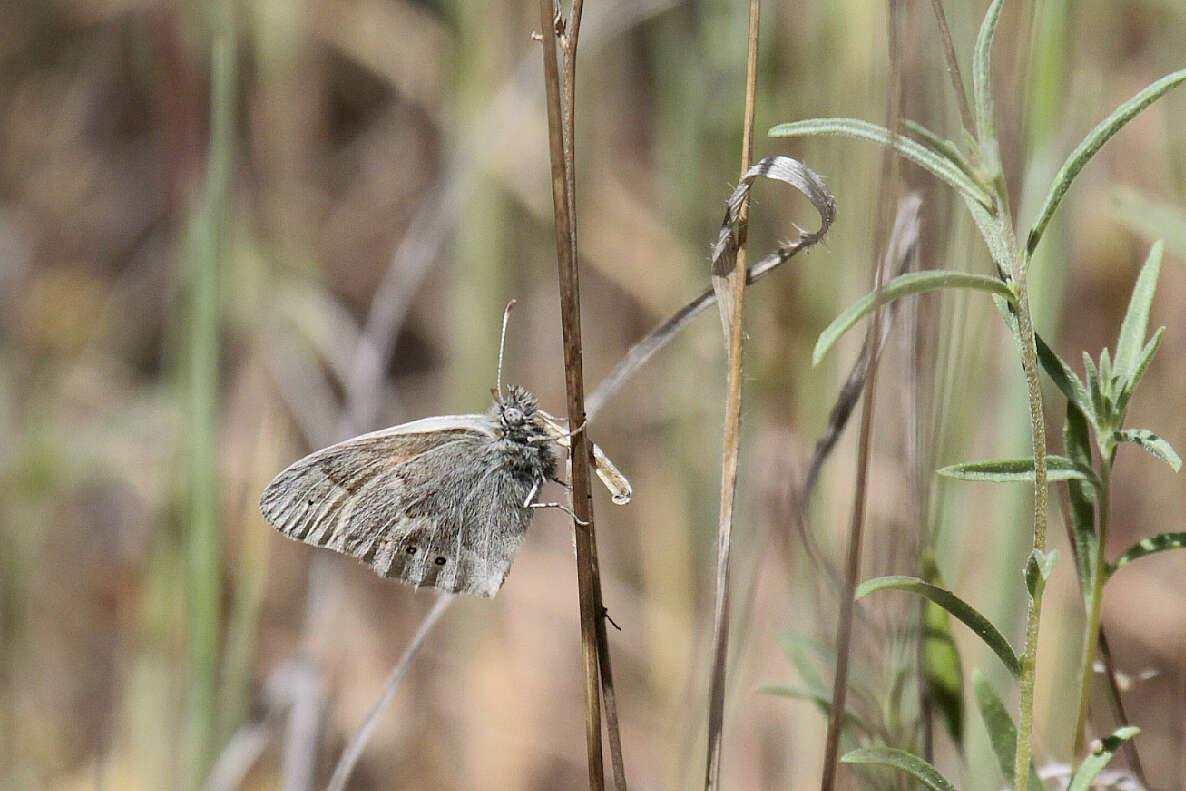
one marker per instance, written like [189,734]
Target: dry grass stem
[729,284]
[864,441]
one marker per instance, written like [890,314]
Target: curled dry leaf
[724,251]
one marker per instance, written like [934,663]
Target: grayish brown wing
[428,503]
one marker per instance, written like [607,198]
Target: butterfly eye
[513,415]
[440,561]
[411,550]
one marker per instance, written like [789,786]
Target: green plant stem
[1029,364]
[1091,629]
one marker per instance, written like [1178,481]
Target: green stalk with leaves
[974,171]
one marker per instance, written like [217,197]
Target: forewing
[407,498]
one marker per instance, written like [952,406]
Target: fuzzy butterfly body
[439,503]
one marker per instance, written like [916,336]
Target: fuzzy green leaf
[982,76]
[1136,319]
[1094,763]
[1138,373]
[901,286]
[909,763]
[939,145]
[1064,377]
[1002,733]
[1152,443]
[1058,468]
[1091,144]
[939,165]
[1149,546]
[983,627]
[996,237]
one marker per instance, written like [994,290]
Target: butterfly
[442,502]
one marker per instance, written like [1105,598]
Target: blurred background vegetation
[163,354]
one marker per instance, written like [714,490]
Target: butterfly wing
[425,503]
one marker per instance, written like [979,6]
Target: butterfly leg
[531,495]
[565,484]
[535,490]
[563,508]
[567,435]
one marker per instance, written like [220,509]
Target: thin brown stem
[953,68]
[594,645]
[731,288]
[1118,712]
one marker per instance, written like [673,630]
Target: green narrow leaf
[1093,388]
[1002,733]
[1136,318]
[1137,374]
[1091,144]
[1105,370]
[1152,443]
[1094,763]
[1149,546]
[982,76]
[1077,441]
[900,759]
[1064,377]
[941,662]
[1058,468]
[940,145]
[940,166]
[901,286]
[965,612]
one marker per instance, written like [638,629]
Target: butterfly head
[516,409]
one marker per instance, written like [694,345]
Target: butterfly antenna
[502,341]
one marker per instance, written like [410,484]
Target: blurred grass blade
[1136,318]
[1152,443]
[902,286]
[1091,144]
[1150,546]
[1098,759]
[1077,441]
[207,247]
[822,700]
[965,612]
[798,646]
[1002,732]
[1058,468]
[1151,218]
[982,99]
[900,759]
[942,167]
